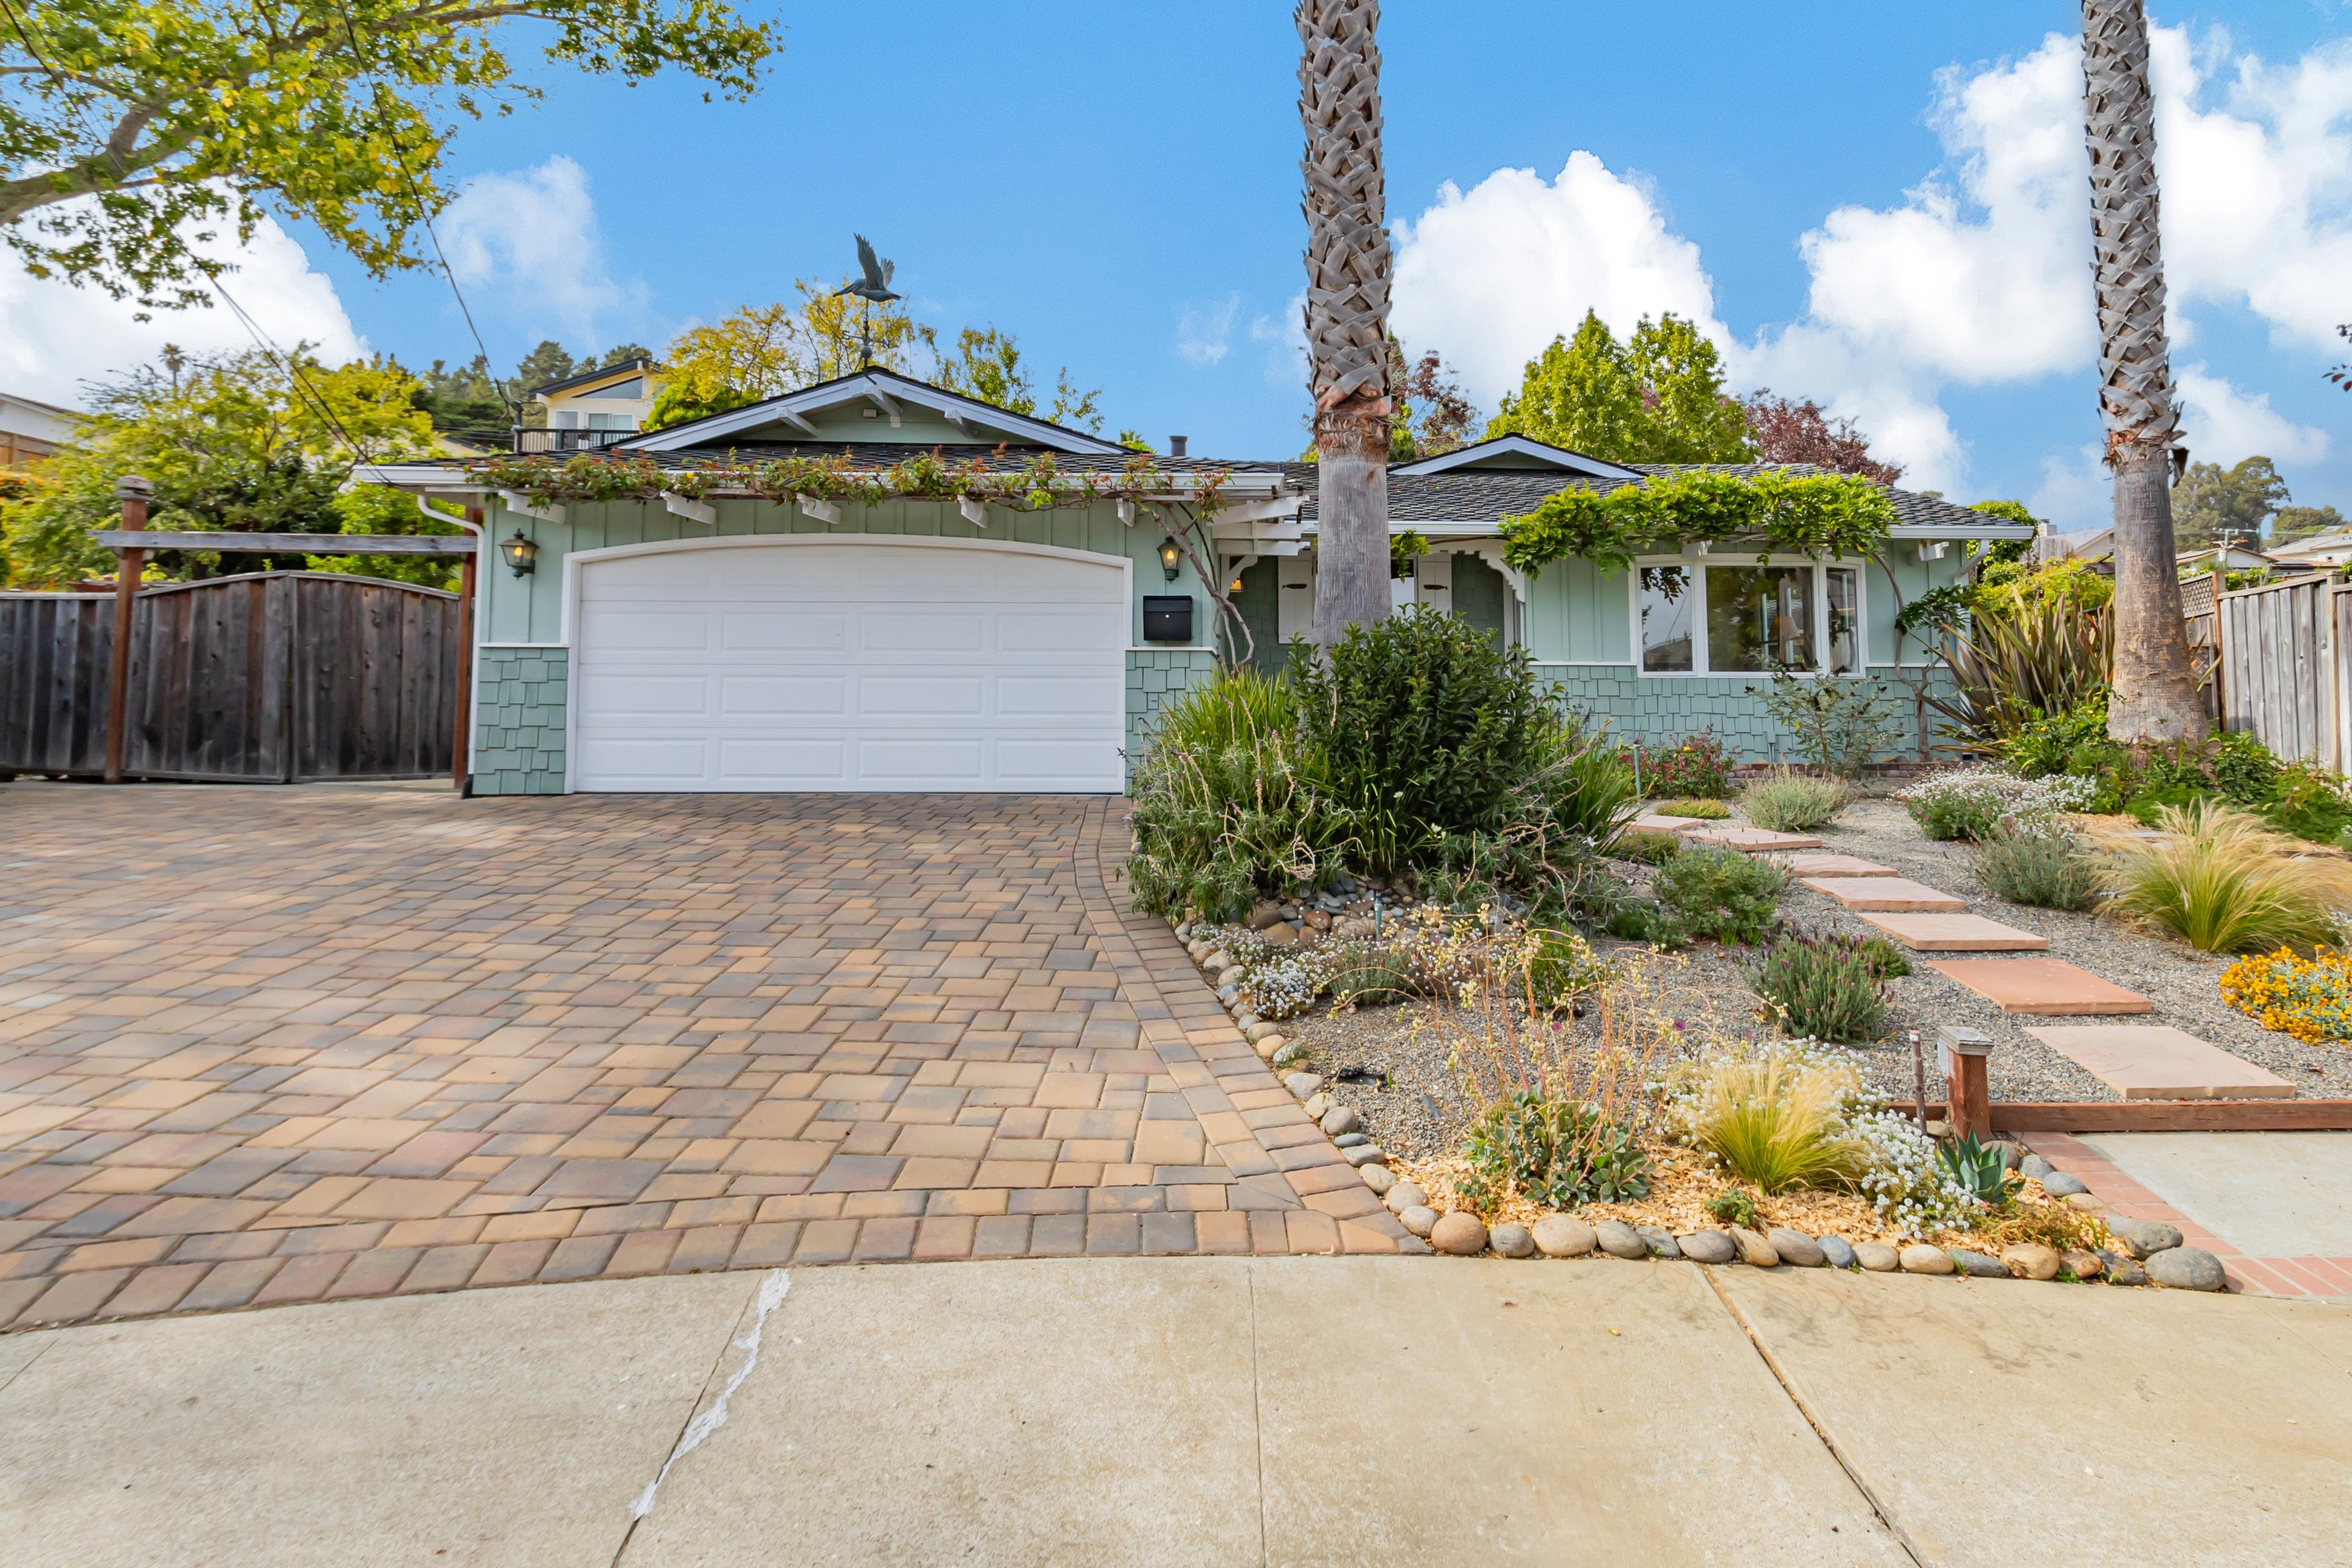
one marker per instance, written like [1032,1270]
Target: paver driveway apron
[261,1046]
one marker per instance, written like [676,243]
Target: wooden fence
[270,677]
[2284,667]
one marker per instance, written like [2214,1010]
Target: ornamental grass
[2223,882]
[2310,998]
[1777,1123]
[1785,801]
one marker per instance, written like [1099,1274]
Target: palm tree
[2155,694]
[1346,308]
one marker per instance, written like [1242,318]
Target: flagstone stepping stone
[1894,893]
[1956,933]
[2047,987]
[2154,1061]
[1826,865]
[1752,840]
[1651,822]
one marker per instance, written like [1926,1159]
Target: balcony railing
[542,439]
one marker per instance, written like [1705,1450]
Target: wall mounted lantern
[1171,558]
[521,555]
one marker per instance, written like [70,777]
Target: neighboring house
[2229,558]
[594,409]
[744,644]
[2319,552]
[31,430]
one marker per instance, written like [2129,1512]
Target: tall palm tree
[1346,308]
[2155,693]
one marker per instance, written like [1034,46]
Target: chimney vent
[1176,445]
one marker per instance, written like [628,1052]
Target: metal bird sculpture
[875,287]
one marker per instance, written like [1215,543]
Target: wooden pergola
[132,542]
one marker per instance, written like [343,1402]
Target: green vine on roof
[1788,514]
[1039,485]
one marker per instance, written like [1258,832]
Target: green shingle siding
[518,735]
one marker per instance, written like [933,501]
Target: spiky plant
[1347,263]
[2226,883]
[2155,692]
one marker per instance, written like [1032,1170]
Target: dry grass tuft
[2224,882]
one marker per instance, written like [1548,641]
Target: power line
[292,366]
[25,38]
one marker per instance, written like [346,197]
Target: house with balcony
[593,410]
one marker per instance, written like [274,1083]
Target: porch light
[521,555]
[1171,558]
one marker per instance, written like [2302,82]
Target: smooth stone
[1837,1252]
[1339,1119]
[1707,1246]
[2185,1268]
[1877,1256]
[1255,1029]
[1564,1236]
[2143,1238]
[1754,1250]
[1619,1239]
[2035,1166]
[2084,1264]
[1796,1247]
[1248,1023]
[1218,961]
[1512,1241]
[2087,1202]
[1266,913]
[1378,1177]
[1463,1235]
[1270,1045]
[1304,1084]
[2059,1184]
[1290,1053]
[1229,994]
[1364,1154]
[1921,1258]
[1977,1265]
[1316,1104]
[1661,1240]
[2031,1260]
[1407,1193]
[2121,1269]
[1231,975]
[1351,1140]
[1419,1218]
[1281,934]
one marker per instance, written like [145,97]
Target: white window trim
[1697,564]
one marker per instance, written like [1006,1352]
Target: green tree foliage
[1657,398]
[231,443]
[2290,523]
[1428,411]
[133,129]
[2211,502]
[2004,550]
[986,363]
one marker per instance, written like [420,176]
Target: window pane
[1666,618]
[1845,620]
[1760,618]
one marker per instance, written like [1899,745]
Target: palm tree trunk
[2155,692]
[1346,308]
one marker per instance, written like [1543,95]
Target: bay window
[1738,617]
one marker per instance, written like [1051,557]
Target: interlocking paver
[393,1040]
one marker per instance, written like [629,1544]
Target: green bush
[1696,765]
[1785,802]
[2072,741]
[1887,961]
[1228,807]
[1647,920]
[1696,808]
[2310,804]
[1825,986]
[1721,893]
[1650,848]
[2041,865]
[1556,1153]
[1837,724]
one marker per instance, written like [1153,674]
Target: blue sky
[1117,185]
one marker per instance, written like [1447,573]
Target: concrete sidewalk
[1193,1411]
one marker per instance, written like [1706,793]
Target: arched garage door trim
[575,566]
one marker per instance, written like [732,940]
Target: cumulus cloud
[532,240]
[1205,335]
[54,338]
[1284,339]
[2224,424]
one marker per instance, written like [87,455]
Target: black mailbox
[1168,617]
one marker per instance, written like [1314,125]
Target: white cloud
[1204,336]
[1284,337]
[2224,424]
[55,337]
[532,240]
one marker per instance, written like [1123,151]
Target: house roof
[884,389]
[2334,543]
[601,372]
[1515,452]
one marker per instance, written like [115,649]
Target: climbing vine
[1788,514]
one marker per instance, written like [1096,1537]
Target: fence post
[461,757]
[129,562]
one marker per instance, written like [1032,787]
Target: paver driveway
[265,1044]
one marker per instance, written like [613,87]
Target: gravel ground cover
[1411,1105]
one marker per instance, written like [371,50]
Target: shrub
[1721,893]
[1705,810]
[1734,1205]
[1979,1169]
[1556,1153]
[1228,807]
[2310,802]
[1970,802]
[1650,848]
[1887,961]
[2310,998]
[1838,724]
[2031,648]
[1786,802]
[2224,883]
[1697,765]
[1561,968]
[2073,741]
[1774,1122]
[1825,987]
[1646,920]
[2039,865]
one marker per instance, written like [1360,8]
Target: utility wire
[25,38]
[292,366]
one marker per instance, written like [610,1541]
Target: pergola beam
[289,544]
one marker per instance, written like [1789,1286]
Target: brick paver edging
[264,1046]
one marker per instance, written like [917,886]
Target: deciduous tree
[2290,523]
[2211,502]
[1657,398]
[1786,432]
[1428,411]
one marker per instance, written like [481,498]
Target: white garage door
[841,666]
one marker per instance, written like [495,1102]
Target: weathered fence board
[277,676]
[2280,667]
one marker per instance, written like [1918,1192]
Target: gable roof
[1515,453]
[601,372]
[884,389]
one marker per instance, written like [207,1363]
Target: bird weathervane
[874,287]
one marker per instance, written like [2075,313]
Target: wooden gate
[2281,657]
[270,677]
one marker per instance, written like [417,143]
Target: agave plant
[1980,1167]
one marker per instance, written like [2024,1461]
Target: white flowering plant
[1970,802]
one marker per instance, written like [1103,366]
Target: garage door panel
[1048,764]
[756,762]
[623,630]
[630,694]
[1028,698]
[911,761]
[794,696]
[643,762]
[905,696]
[1057,631]
[749,628]
[892,630]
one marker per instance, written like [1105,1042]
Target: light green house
[676,621]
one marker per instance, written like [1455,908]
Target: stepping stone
[1900,893]
[1826,865]
[2151,1061]
[1957,933]
[1651,822]
[1751,840]
[2050,987]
